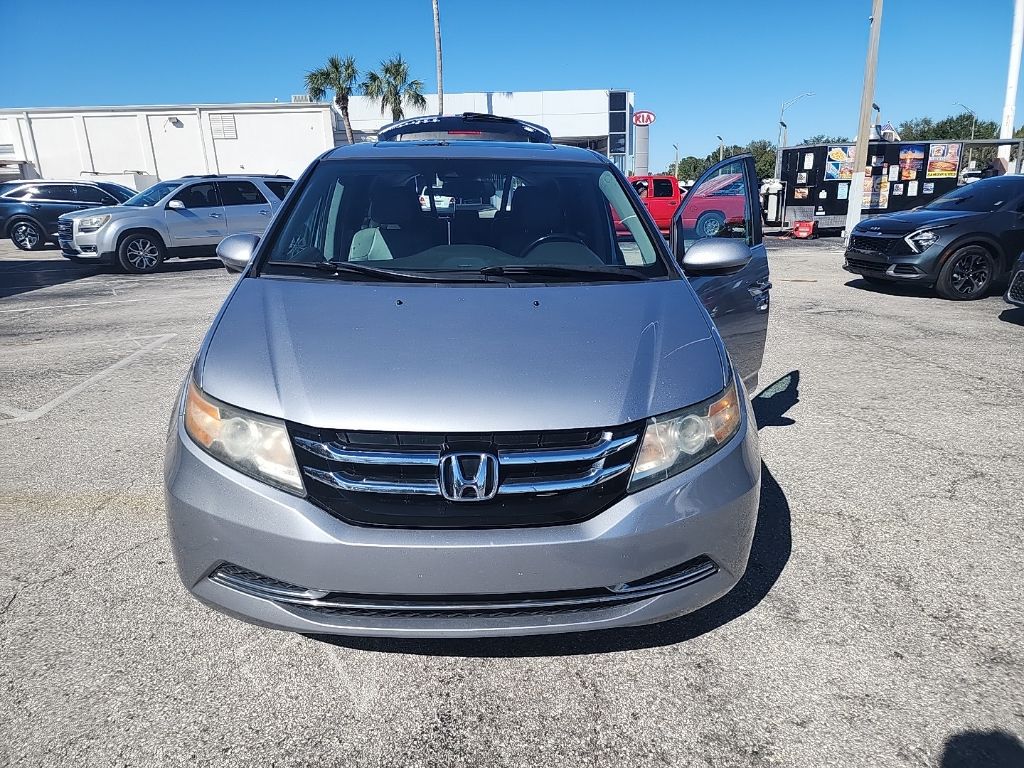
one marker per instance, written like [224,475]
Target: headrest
[394,205]
[537,207]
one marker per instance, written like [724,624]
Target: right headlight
[92,223]
[923,239]
[257,445]
[678,440]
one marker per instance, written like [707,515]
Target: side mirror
[176,205]
[235,251]
[715,256]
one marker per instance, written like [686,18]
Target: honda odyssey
[440,421]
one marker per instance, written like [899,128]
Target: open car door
[716,236]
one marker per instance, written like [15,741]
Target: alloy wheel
[143,254]
[971,273]
[25,236]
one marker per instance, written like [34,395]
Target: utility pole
[1009,106]
[437,50]
[721,148]
[783,130]
[860,155]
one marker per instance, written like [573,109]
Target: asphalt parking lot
[880,622]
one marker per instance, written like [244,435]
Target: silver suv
[180,218]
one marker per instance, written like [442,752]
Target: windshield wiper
[339,268]
[553,270]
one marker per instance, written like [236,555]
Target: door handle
[37,206]
[263,212]
[215,215]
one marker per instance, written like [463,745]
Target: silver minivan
[438,421]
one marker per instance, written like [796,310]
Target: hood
[450,358]
[93,212]
[905,222]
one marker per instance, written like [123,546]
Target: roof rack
[240,175]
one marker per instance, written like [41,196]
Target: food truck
[899,175]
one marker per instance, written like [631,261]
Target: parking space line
[71,306]
[62,398]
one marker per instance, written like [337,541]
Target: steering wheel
[555,237]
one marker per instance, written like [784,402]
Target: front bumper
[218,517]
[1015,290]
[81,245]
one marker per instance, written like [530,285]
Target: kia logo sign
[643,117]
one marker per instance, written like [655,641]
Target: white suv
[181,218]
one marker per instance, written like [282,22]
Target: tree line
[917,129]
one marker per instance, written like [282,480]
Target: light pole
[855,198]
[974,123]
[782,129]
[1013,73]
[676,166]
[721,148]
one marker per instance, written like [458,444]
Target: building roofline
[171,107]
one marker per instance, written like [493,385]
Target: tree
[822,138]
[340,77]
[392,89]
[437,51]
[952,127]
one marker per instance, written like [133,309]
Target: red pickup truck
[661,195]
[718,203]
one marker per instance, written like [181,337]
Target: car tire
[967,274]
[710,224]
[26,235]
[140,253]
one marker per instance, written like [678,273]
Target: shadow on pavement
[1013,315]
[910,290]
[24,275]
[983,749]
[769,553]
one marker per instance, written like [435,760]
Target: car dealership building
[142,144]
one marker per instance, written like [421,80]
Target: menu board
[839,163]
[943,160]
[911,161]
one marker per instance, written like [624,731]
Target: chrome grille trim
[603,448]
[588,479]
[336,452]
[349,483]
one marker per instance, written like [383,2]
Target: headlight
[678,440]
[923,239]
[92,223]
[256,445]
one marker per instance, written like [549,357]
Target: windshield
[982,196]
[118,192]
[570,221]
[153,195]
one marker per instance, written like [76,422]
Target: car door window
[279,188]
[87,194]
[641,186]
[199,196]
[663,188]
[240,193]
[717,207]
[51,192]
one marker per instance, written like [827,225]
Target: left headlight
[258,446]
[678,440]
[923,239]
[92,223]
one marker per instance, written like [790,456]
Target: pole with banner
[860,155]
[642,121]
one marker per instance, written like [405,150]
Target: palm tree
[392,88]
[340,76]
[437,51]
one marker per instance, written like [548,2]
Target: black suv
[29,209]
[961,243]
[468,126]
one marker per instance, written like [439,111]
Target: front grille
[1015,292]
[304,600]
[883,246]
[394,479]
[867,266]
[64,229]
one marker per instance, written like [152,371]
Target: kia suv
[182,218]
[456,423]
[962,243]
[29,210]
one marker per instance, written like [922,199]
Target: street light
[974,123]
[721,148]
[783,130]
[676,166]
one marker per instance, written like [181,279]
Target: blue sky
[705,68]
